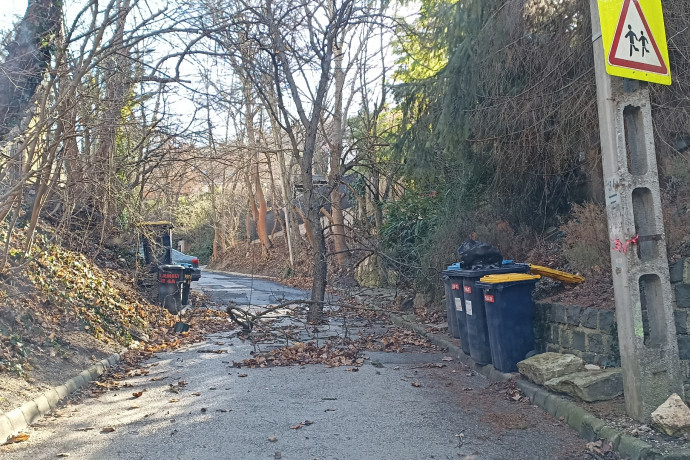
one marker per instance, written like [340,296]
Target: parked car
[184,259]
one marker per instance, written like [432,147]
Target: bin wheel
[169,297]
[172,304]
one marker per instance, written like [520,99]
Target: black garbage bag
[475,255]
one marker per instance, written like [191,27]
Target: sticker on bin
[488,298]
[468,289]
[458,304]
[455,286]
[468,307]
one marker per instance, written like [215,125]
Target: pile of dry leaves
[337,352]
[301,353]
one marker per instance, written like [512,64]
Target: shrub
[586,239]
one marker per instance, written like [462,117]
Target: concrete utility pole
[644,310]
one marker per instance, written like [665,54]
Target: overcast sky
[9,10]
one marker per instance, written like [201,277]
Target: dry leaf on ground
[21,437]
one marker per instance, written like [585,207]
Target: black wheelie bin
[475,314]
[509,317]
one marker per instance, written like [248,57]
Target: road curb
[18,419]
[590,427]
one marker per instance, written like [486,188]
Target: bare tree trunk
[260,214]
[28,56]
[290,232]
[339,230]
[117,85]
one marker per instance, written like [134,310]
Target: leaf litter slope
[60,313]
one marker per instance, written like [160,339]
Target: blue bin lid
[508,268]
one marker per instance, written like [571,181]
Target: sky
[9,12]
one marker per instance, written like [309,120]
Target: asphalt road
[395,406]
[246,290]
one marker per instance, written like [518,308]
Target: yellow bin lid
[556,274]
[508,278]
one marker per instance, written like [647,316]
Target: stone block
[684,346]
[589,358]
[547,366]
[685,370]
[595,343]
[683,295]
[541,311]
[555,333]
[676,271]
[607,320]
[590,386]
[681,320]
[579,340]
[566,338]
[552,348]
[672,417]
[589,317]
[540,346]
[558,313]
[573,315]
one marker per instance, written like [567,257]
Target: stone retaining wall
[586,332]
[591,333]
[680,281]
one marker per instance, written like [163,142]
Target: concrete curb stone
[635,449]
[681,454]
[590,427]
[52,397]
[42,404]
[5,425]
[18,419]
[30,411]
[71,385]
[62,391]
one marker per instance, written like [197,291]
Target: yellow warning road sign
[634,38]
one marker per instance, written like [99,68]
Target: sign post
[644,310]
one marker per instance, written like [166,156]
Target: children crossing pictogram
[632,42]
